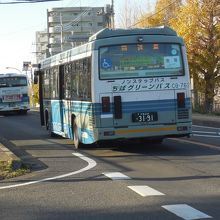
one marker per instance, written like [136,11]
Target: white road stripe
[185,212]
[116,176]
[204,135]
[206,132]
[145,191]
[91,164]
[211,146]
[199,126]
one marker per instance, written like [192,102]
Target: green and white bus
[14,93]
[121,84]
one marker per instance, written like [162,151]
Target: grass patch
[10,169]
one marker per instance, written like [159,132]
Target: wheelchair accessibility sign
[106,63]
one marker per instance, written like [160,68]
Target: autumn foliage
[198,22]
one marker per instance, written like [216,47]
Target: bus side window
[46,82]
[89,77]
[67,81]
[54,80]
[73,81]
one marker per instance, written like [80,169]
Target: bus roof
[106,33]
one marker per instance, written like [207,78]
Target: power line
[26,1]
[153,14]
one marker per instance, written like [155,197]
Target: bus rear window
[13,81]
[140,60]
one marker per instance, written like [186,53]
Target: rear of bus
[14,93]
[141,85]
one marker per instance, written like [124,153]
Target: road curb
[9,155]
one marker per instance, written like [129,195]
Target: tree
[198,23]
[164,11]
[35,95]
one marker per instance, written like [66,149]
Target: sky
[19,22]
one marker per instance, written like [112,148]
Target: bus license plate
[144,116]
[11,98]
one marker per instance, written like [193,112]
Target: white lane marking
[211,146]
[146,191]
[211,134]
[204,135]
[185,211]
[199,126]
[91,164]
[206,132]
[116,175]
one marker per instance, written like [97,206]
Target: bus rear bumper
[174,130]
[14,109]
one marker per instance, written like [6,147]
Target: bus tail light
[181,100]
[117,107]
[105,104]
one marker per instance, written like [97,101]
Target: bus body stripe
[121,132]
[127,107]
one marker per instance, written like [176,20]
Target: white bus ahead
[122,84]
[14,93]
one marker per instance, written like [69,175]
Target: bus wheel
[75,132]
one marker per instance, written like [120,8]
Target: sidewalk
[198,119]
[6,155]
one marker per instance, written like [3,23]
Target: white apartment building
[41,45]
[70,26]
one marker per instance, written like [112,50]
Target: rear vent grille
[183,114]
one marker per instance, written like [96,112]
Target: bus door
[61,97]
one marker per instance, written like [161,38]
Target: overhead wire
[133,25]
[25,1]
[71,24]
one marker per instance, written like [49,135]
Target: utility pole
[112,16]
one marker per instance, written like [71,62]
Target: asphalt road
[179,179]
